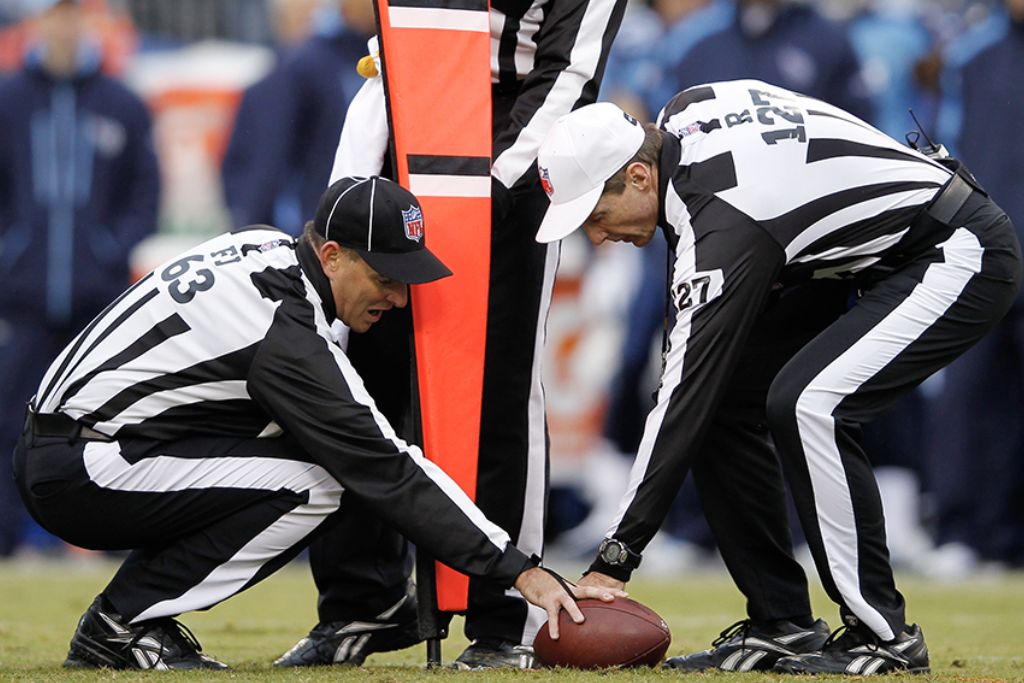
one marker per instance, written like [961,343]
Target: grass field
[974,630]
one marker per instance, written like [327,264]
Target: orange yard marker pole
[436,65]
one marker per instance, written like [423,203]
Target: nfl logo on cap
[545,181]
[413,219]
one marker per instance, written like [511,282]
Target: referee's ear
[641,176]
[332,255]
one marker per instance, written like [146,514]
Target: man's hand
[544,590]
[599,580]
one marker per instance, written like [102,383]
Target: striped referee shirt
[553,53]
[233,339]
[752,171]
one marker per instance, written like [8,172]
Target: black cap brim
[411,267]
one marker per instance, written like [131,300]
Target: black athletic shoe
[857,651]
[487,653]
[747,646]
[103,639]
[349,642]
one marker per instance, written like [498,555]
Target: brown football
[618,633]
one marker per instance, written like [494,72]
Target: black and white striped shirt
[757,185]
[832,190]
[233,339]
[553,52]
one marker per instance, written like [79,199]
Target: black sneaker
[487,653]
[856,650]
[747,646]
[103,639]
[349,642]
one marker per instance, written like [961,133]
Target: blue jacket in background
[287,129]
[981,110]
[800,50]
[889,44]
[79,188]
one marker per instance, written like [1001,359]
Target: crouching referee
[209,421]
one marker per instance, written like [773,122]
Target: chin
[359,326]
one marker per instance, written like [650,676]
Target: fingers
[553,622]
[571,608]
[602,581]
[574,610]
[602,593]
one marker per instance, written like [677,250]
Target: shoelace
[740,628]
[176,632]
[844,633]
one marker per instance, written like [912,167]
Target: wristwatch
[617,554]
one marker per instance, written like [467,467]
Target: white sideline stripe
[942,284]
[434,17]
[431,185]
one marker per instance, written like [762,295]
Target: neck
[310,265]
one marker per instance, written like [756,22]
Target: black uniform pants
[737,472]
[204,517]
[938,302]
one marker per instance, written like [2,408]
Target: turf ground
[975,629]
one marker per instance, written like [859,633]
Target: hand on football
[599,580]
[542,589]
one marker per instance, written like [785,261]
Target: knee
[780,405]
[796,411]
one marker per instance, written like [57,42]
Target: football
[618,633]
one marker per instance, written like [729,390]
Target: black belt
[62,426]
[950,199]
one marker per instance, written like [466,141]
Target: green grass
[974,629]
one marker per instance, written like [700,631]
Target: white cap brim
[562,219]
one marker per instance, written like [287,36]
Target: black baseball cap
[383,222]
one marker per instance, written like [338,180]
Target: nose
[398,294]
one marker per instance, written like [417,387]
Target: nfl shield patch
[545,181]
[413,219]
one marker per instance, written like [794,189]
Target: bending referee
[759,189]
[208,420]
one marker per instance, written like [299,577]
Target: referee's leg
[512,466]
[911,324]
[206,517]
[737,472]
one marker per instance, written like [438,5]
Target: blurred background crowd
[130,129]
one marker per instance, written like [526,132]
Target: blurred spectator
[687,23]
[978,447]
[170,24]
[109,28]
[890,40]
[291,20]
[779,41]
[631,70]
[287,128]
[79,188]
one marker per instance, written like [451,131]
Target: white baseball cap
[581,152]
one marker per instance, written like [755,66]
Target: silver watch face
[612,553]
